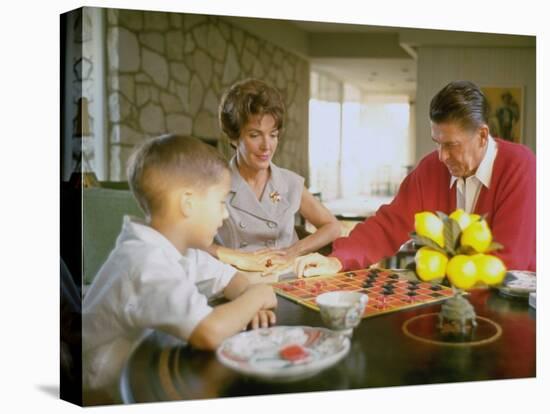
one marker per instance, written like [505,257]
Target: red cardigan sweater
[510,205]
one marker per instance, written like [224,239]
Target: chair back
[102,212]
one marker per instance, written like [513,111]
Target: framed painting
[505,111]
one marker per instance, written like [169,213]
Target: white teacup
[342,310]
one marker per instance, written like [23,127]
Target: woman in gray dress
[264,199]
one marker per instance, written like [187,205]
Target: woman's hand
[258,261]
[282,261]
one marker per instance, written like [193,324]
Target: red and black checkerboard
[387,291]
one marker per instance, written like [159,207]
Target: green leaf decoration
[442,215]
[451,234]
[495,246]
[467,250]
[425,241]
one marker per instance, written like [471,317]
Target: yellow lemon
[478,236]
[430,264]
[462,218]
[462,271]
[490,269]
[427,224]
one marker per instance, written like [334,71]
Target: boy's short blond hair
[160,163]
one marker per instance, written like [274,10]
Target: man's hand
[316,264]
[263,319]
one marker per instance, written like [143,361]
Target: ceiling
[378,59]
[387,62]
[322,27]
[390,76]
[376,76]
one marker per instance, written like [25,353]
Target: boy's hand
[266,293]
[263,319]
[316,264]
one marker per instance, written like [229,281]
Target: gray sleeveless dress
[256,224]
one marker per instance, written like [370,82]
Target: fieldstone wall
[168,71]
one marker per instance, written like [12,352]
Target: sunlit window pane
[359,144]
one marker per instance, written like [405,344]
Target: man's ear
[187,203]
[484,134]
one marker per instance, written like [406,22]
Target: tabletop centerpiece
[455,249]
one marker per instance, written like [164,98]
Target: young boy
[157,277]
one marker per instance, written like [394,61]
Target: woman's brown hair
[248,98]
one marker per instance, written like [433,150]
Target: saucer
[260,353]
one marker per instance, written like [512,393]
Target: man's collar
[485,169]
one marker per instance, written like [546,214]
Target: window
[359,143]
[325,136]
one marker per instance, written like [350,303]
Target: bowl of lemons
[459,248]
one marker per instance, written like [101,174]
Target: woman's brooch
[275,196]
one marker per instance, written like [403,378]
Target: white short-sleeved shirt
[146,283]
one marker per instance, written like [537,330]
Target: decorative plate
[283,353]
[519,283]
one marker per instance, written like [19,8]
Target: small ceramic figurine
[457,316]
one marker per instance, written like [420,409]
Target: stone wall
[167,72]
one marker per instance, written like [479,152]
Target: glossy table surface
[163,368]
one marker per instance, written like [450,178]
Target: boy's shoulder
[131,259]
[138,239]
[202,259]
[138,249]
[143,257]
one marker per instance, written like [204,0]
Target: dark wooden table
[163,368]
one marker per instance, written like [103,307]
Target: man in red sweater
[469,170]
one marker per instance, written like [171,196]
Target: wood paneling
[485,66]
